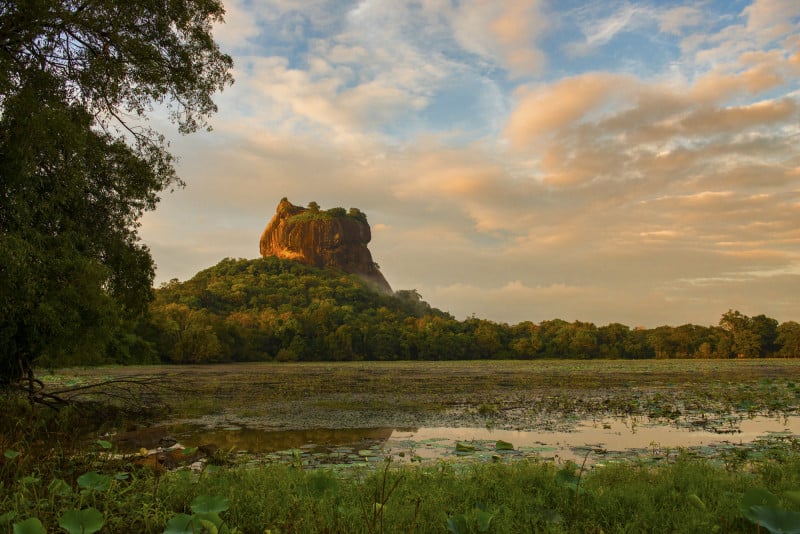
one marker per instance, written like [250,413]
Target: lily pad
[29,526]
[94,481]
[464,447]
[205,504]
[84,521]
[793,497]
[179,524]
[756,497]
[776,520]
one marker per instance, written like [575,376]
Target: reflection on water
[611,434]
[617,434]
[255,440]
[249,439]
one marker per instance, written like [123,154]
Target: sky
[602,161]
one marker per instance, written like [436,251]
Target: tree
[554,341]
[357,214]
[583,343]
[752,337]
[525,342]
[336,212]
[189,335]
[766,330]
[789,339]
[80,164]
[611,340]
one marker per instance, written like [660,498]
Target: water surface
[598,437]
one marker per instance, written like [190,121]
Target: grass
[524,496]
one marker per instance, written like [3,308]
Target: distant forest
[278,310]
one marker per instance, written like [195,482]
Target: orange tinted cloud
[772,17]
[506,31]
[546,110]
[738,118]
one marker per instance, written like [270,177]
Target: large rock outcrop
[331,238]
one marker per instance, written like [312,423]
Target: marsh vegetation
[491,485]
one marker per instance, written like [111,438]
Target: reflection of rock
[145,438]
[161,460]
[332,238]
[163,452]
[257,440]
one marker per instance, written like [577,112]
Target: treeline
[271,309]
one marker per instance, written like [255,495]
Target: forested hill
[272,309]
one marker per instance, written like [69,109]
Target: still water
[601,436]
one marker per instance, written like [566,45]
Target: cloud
[328,99]
[766,22]
[608,127]
[599,29]
[546,109]
[773,18]
[502,177]
[505,33]
[753,73]
[734,119]
[644,149]
[675,20]
[238,28]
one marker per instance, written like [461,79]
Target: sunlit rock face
[323,239]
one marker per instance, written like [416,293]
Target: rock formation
[323,238]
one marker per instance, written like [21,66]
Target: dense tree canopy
[80,165]
[272,309]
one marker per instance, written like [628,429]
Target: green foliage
[180,524]
[81,521]
[358,215]
[696,501]
[205,518]
[501,445]
[244,310]
[464,448]
[273,309]
[477,520]
[76,176]
[567,477]
[205,504]
[314,213]
[750,337]
[687,495]
[762,507]
[337,212]
[788,339]
[31,525]
[309,215]
[93,481]
[72,520]
[777,520]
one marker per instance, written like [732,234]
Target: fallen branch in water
[132,394]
